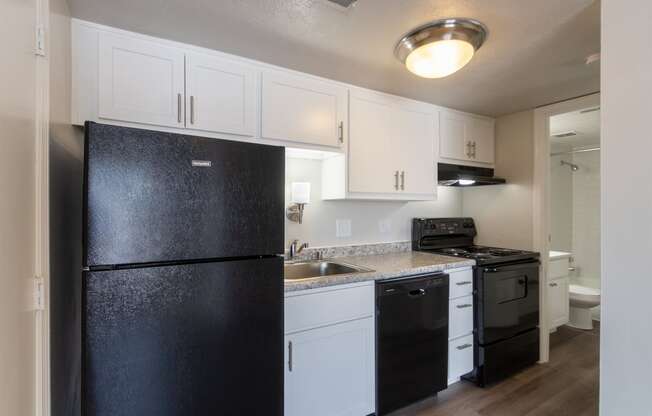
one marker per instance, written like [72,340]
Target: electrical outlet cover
[385,226]
[343,228]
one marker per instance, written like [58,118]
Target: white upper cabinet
[452,138]
[391,146]
[465,138]
[372,167]
[482,138]
[413,147]
[221,95]
[140,81]
[303,109]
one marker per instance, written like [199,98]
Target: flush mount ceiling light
[442,47]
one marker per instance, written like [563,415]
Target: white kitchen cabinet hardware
[303,109]
[140,81]
[466,139]
[222,95]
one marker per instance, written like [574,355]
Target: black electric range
[506,296]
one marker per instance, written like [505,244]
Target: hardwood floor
[566,386]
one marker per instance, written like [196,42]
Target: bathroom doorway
[567,215]
[574,257]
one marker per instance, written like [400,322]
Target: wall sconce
[300,197]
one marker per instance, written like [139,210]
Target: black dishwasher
[412,339]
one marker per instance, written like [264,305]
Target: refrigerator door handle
[290,356]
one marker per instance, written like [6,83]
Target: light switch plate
[343,228]
[385,226]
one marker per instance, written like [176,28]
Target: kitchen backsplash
[352,250]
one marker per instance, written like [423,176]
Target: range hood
[460,175]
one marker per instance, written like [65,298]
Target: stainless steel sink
[312,269]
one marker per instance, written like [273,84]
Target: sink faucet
[294,250]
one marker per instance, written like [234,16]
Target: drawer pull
[553,284]
[464,346]
[464,305]
[463,283]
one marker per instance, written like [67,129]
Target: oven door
[507,301]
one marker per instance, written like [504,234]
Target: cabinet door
[220,95]
[140,81]
[558,302]
[412,142]
[330,370]
[372,166]
[481,135]
[453,143]
[460,357]
[302,109]
[460,317]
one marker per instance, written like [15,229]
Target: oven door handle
[512,267]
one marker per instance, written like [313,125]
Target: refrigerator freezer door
[154,196]
[199,339]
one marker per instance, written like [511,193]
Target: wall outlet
[343,228]
[385,226]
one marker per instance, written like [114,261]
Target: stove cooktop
[486,255]
[454,237]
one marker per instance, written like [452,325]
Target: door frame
[541,196]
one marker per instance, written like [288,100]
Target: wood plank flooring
[566,386]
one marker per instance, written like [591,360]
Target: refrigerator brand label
[202,163]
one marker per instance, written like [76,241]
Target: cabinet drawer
[557,269]
[311,310]
[460,317]
[460,357]
[461,283]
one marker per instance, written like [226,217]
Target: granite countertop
[384,266]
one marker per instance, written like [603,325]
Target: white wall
[17,214]
[318,226]
[626,342]
[586,217]
[561,203]
[503,213]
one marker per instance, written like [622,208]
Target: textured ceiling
[534,54]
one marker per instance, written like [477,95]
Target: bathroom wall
[586,217]
[371,221]
[561,202]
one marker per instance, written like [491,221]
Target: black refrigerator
[182,288]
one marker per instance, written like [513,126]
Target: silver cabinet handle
[340,132]
[571,269]
[468,149]
[402,180]
[464,305]
[192,109]
[396,180]
[463,283]
[179,107]
[290,356]
[464,346]
[473,146]
[553,284]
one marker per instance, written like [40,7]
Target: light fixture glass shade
[439,59]
[300,192]
[442,47]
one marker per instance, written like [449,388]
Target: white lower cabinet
[330,360]
[460,324]
[558,302]
[330,370]
[460,357]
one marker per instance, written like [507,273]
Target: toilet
[582,300]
